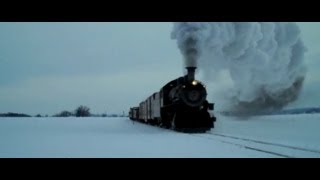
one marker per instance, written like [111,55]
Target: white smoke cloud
[264,61]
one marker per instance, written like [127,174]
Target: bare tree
[82,111]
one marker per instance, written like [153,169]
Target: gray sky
[49,67]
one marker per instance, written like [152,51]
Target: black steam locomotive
[180,105]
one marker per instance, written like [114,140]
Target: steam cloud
[263,61]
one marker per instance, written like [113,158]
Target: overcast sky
[49,67]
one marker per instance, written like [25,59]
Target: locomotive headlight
[194,82]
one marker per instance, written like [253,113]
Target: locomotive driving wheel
[173,122]
[176,121]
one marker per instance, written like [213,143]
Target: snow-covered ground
[120,137]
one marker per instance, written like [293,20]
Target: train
[180,105]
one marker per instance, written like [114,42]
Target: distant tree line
[84,111]
[10,114]
[81,111]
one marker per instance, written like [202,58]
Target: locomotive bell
[191,73]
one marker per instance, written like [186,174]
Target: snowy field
[256,137]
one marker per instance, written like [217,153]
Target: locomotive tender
[180,105]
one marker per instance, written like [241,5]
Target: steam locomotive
[180,105]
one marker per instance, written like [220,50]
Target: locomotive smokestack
[191,72]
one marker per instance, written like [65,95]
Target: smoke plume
[264,61]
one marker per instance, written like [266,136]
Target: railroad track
[268,143]
[277,149]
